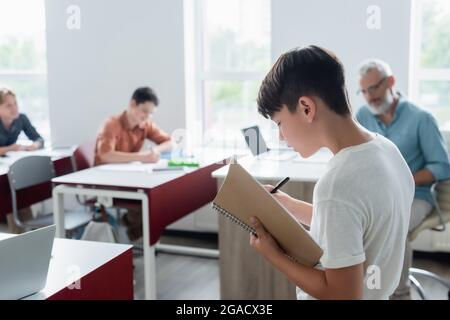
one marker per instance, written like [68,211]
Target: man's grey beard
[383,107]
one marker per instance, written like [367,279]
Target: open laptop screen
[24,262]
[254,140]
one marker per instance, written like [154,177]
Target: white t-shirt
[361,210]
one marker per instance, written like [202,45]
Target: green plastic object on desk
[182,163]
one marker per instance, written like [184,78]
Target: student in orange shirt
[121,137]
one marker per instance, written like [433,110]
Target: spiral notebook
[241,197]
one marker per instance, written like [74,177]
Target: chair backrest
[30,171]
[443,196]
[84,156]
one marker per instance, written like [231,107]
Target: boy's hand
[282,197]
[263,241]
[151,156]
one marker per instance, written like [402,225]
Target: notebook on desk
[242,197]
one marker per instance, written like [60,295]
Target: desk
[165,198]
[92,265]
[26,197]
[245,274]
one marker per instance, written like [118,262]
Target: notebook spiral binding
[233,218]
[240,222]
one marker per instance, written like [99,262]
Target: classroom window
[431,84]
[23,66]
[233,54]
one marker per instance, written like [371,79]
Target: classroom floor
[181,277]
[204,273]
[184,277]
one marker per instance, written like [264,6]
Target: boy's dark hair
[145,94]
[310,71]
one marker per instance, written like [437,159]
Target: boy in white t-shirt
[361,206]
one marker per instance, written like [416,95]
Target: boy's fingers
[253,239]
[259,229]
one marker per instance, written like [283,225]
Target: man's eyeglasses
[372,89]
[148,113]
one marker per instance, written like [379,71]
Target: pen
[279,185]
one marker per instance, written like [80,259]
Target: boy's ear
[307,108]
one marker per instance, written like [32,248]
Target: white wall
[121,45]
[341,27]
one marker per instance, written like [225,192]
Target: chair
[33,171]
[435,221]
[83,157]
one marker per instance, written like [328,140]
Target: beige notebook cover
[242,197]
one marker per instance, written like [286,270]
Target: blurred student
[121,138]
[12,124]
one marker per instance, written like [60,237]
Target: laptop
[24,263]
[259,148]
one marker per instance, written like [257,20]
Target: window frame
[197,108]
[7,75]
[418,74]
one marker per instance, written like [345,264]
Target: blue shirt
[22,123]
[416,134]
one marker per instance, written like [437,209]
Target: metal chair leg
[418,287]
[431,275]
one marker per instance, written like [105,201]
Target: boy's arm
[300,209]
[165,146]
[343,283]
[123,157]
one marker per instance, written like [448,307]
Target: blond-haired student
[13,123]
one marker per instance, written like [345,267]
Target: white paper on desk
[12,156]
[161,165]
[133,167]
